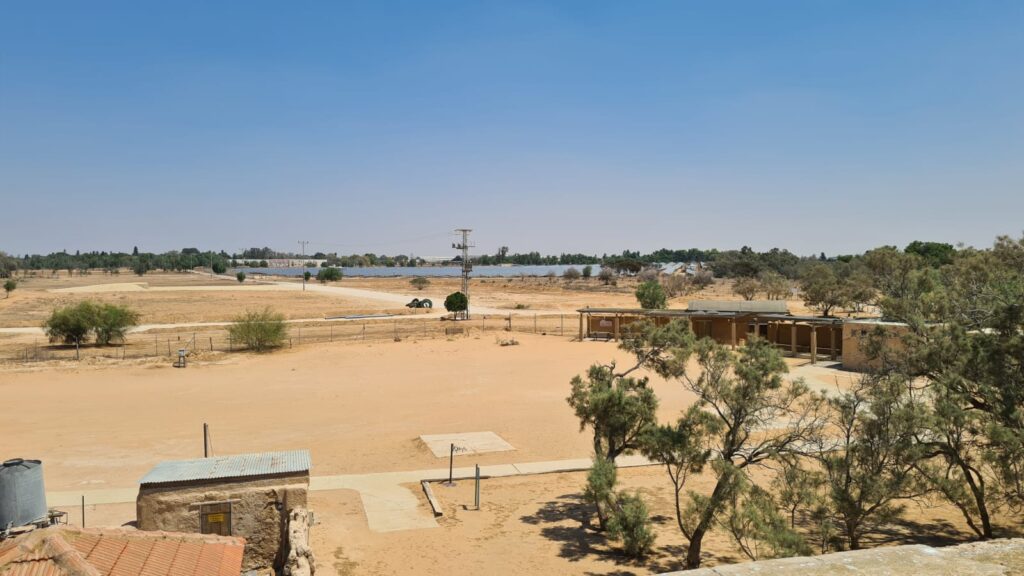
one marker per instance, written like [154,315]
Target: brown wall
[854,336]
[253,517]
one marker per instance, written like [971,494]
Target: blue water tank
[22,495]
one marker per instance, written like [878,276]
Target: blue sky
[553,126]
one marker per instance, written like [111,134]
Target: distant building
[730,322]
[293,262]
[248,495]
[68,551]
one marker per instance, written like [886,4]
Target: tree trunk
[706,517]
[978,491]
[693,551]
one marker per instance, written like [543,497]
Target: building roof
[222,467]
[755,306]
[68,551]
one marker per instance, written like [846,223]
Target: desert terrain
[360,405]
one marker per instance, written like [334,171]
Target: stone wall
[259,512]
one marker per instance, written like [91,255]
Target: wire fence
[167,343]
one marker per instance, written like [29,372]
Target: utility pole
[303,243]
[467,267]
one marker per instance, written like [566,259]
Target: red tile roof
[67,551]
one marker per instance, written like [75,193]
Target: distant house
[68,551]
[730,322]
[247,495]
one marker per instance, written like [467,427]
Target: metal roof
[766,306]
[237,466]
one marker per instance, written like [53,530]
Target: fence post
[561,324]
[211,343]
[364,330]
[156,345]
[77,357]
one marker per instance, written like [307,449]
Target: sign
[215,518]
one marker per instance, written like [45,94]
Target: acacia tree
[869,455]
[741,398]
[747,287]
[774,285]
[966,342]
[9,285]
[822,289]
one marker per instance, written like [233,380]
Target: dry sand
[358,407]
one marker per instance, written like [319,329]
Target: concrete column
[814,344]
[732,329]
[615,326]
[792,339]
[832,342]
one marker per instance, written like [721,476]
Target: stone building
[247,495]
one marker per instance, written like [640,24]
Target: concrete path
[389,506]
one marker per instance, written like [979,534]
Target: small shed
[247,495]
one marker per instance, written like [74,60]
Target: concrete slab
[465,443]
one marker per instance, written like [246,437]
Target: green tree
[600,488]
[259,330]
[456,303]
[631,523]
[822,289]
[965,345]
[747,287]
[419,282]
[870,457]
[240,276]
[617,408]
[325,275]
[587,271]
[651,295]
[774,285]
[112,322]
[71,324]
[934,254]
[9,285]
[751,517]
[796,487]
[742,391]
[219,267]
[306,275]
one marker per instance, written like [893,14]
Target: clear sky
[584,126]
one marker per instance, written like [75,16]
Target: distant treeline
[741,263]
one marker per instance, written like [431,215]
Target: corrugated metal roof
[768,306]
[237,466]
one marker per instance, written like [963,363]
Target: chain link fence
[166,343]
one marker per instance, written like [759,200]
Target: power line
[467,266]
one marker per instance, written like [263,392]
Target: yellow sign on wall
[215,518]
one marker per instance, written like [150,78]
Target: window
[215,519]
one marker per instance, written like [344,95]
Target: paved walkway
[389,506]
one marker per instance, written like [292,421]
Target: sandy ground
[164,298]
[358,407]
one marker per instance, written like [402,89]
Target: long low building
[731,323]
